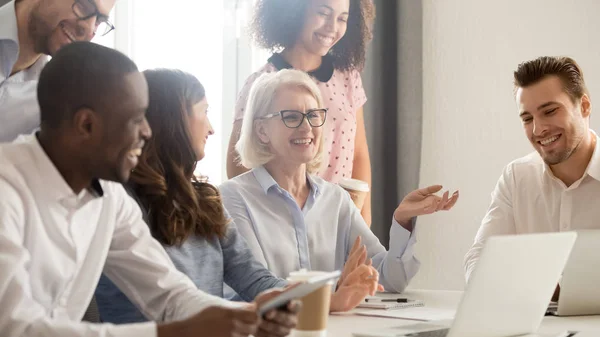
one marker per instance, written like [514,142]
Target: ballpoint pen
[397,300]
[567,334]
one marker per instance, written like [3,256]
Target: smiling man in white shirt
[556,188]
[30,30]
[65,217]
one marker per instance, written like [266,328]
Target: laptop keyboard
[434,333]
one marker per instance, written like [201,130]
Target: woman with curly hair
[185,213]
[327,39]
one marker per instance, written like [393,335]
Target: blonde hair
[252,151]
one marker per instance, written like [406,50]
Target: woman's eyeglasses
[294,118]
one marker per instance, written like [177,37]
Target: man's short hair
[569,72]
[81,74]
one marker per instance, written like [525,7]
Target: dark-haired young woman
[186,214]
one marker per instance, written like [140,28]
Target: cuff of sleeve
[401,240]
[148,329]
[235,305]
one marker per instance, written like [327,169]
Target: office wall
[470,125]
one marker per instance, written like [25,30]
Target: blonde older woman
[293,219]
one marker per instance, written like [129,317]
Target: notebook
[373,303]
[417,314]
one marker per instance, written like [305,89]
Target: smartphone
[297,292]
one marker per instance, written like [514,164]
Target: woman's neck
[292,179]
[299,58]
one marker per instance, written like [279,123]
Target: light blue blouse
[285,238]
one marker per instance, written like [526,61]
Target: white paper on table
[416,313]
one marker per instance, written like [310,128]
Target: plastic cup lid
[354,184]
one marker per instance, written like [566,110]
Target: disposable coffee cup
[357,189]
[312,319]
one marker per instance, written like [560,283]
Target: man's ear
[586,106]
[85,122]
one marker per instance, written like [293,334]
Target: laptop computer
[579,291]
[508,292]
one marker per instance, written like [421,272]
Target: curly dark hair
[178,203]
[276,25]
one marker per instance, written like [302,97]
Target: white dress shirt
[285,238]
[54,245]
[528,198]
[19,109]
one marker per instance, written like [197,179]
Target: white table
[343,325]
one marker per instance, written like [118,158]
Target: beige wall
[470,125]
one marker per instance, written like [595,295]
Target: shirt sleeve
[359,97]
[22,314]
[238,211]
[397,266]
[499,219]
[139,266]
[243,273]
